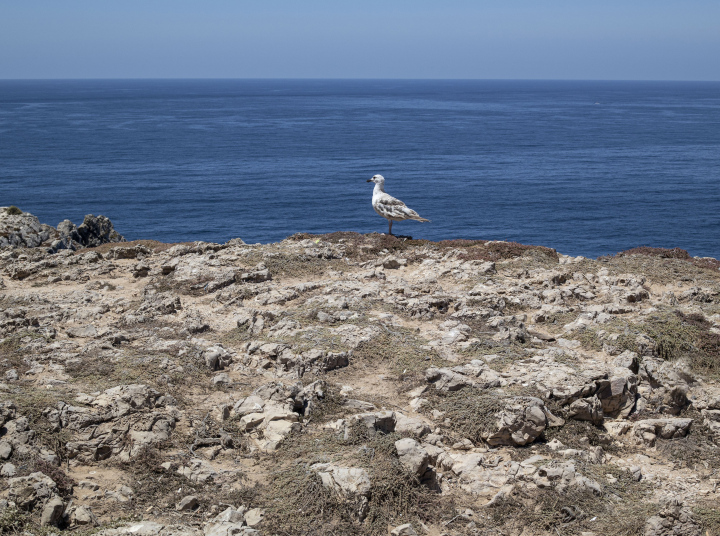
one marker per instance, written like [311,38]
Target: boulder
[587,409]
[217,358]
[673,520]
[410,425]
[23,230]
[648,430]
[83,516]
[97,230]
[412,456]
[617,394]
[187,504]
[29,491]
[474,374]
[8,470]
[52,512]
[381,421]
[254,517]
[5,450]
[404,530]
[520,422]
[346,481]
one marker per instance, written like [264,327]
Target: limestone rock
[587,409]
[29,491]
[412,456]
[648,430]
[187,504]
[521,421]
[673,520]
[403,530]
[52,512]
[83,516]
[347,481]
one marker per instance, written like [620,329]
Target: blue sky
[551,39]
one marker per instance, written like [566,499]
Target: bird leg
[390,228]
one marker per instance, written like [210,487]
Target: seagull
[388,207]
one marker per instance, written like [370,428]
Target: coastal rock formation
[353,384]
[20,229]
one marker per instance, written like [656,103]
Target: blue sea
[588,168]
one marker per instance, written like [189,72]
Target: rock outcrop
[23,230]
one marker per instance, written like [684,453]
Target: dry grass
[163,488]
[13,352]
[579,434]
[364,247]
[31,403]
[672,253]
[472,412]
[667,266]
[297,503]
[676,335]
[574,512]
[696,451]
[708,514]
[399,349]
[64,483]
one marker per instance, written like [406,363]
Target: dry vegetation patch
[297,503]
[675,335]
[365,247]
[572,513]
[401,350]
[472,412]
[663,265]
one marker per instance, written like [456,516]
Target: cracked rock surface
[354,384]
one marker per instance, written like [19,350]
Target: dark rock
[97,230]
[23,230]
[52,513]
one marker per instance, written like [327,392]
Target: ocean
[588,168]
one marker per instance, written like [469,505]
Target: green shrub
[13,211]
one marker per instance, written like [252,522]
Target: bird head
[377,179]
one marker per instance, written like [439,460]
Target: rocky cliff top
[358,384]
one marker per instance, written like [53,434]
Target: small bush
[401,351]
[670,253]
[12,521]
[663,253]
[620,510]
[473,412]
[13,211]
[685,336]
[64,482]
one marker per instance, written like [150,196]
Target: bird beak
[369,180]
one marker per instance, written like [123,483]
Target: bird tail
[420,219]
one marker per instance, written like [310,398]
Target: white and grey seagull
[388,207]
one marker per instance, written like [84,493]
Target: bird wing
[393,208]
[389,207]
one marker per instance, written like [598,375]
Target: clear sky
[530,39]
